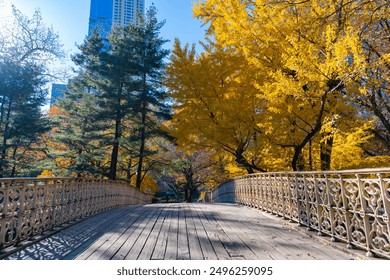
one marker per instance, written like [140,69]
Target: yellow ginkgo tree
[305,59]
[215,105]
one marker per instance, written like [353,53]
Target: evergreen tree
[108,70]
[21,119]
[124,72]
[150,105]
[78,137]
[27,47]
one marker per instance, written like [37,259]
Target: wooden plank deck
[183,232]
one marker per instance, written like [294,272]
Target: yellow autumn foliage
[46,174]
[279,82]
[148,186]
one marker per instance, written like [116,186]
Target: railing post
[269,193]
[34,218]
[298,198]
[5,216]
[41,204]
[249,186]
[245,181]
[241,192]
[255,191]
[252,191]
[308,204]
[385,193]
[44,206]
[330,207]
[244,192]
[345,210]
[290,197]
[262,194]
[72,200]
[21,214]
[364,216]
[282,195]
[275,194]
[318,204]
[285,193]
[51,203]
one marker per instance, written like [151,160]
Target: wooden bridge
[269,216]
[180,231]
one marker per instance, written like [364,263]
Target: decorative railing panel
[351,206]
[28,207]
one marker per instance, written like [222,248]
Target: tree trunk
[13,172]
[326,152]
[128,171]
[142,135]
[310,155]
[374,108]
[186,194]
[317,127]
[115,148]
[240,159]
[142,148]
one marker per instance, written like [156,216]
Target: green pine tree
[78,139]
[125,71]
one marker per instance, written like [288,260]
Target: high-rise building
[107,13]
[57,92]
[103,15]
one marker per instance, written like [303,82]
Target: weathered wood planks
[180,232]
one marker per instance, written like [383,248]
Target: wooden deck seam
[105,238]
[122,252]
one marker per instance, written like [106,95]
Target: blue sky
[70,18]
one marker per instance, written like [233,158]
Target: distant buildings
[57,92]
[104,14]
[100,16]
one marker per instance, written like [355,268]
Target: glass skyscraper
[57,92]
[106,13]
[103,15]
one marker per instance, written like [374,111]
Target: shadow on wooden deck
[183,231]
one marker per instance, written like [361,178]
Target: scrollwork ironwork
[351,206]
[28,207]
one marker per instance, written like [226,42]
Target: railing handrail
[33,179]
[330,172]
[352,206]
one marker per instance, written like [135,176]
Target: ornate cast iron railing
[29,207]
[350,206]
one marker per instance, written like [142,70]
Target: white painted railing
[351,206]
[28,207]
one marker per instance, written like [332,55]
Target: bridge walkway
[195,231]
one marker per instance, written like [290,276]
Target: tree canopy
[289,84]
